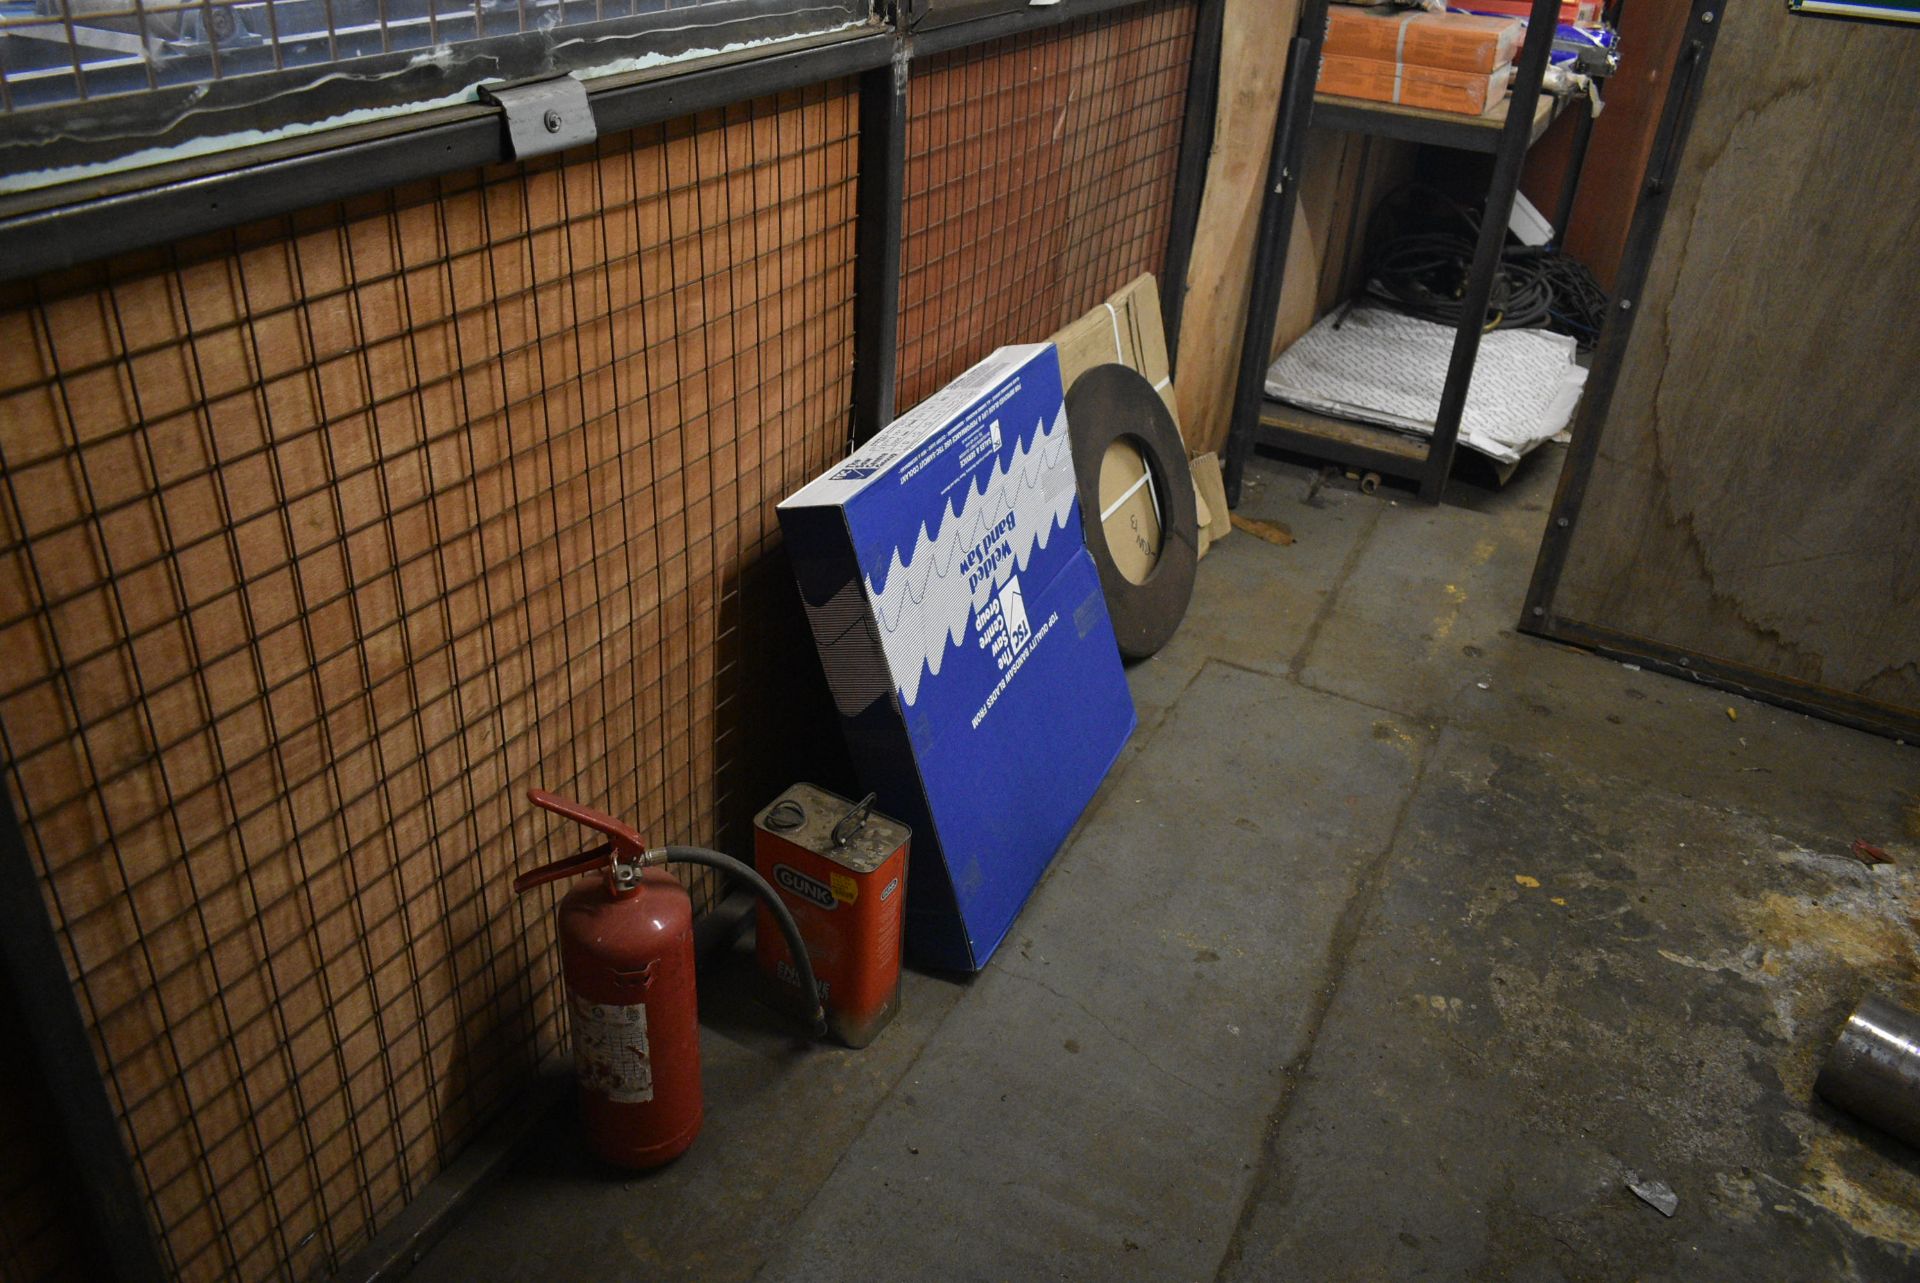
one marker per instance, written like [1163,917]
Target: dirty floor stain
[1877,1199]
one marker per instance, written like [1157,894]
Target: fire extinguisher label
[610,1049]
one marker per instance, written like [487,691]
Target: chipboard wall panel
[321,540]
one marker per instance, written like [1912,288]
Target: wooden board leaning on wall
[1219,276]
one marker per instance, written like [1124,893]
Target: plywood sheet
[1756,495]
[1343,177]
[1220,272]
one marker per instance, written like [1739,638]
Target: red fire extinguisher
[626,956]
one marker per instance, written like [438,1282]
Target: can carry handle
[626,845]
[854,820]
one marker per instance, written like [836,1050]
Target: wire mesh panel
[320,542]
[1040,173]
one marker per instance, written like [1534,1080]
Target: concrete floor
[1395,941]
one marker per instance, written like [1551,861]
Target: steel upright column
[877,233]
[1190,180]
[1515,137]
[1271,236]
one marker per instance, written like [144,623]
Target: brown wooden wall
[1754,501]
[320,542]
[1040,174]
[1342,179]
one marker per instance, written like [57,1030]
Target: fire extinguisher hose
[745,874]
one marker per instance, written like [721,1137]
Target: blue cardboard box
[961,625]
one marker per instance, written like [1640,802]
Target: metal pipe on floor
[1873,1071]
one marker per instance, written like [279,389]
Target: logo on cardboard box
[956,565]
[866,466]
[1013,614]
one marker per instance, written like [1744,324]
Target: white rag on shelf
[1387,368]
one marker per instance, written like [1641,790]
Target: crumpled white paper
[1386,368]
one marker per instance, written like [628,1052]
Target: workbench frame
[1252,424]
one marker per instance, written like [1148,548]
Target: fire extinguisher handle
[625,844]
[572,866]
[626,840]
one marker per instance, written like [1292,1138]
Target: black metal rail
[877,232]
[933,37]
[1271,238]
[1196,141]
[1515,138]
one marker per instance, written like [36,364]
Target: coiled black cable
[1579,305]
[1422,244]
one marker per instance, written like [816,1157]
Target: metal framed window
[87,85]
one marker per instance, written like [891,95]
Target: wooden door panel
[1755,496]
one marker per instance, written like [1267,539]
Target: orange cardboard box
[1470,93]
[1582,13]
[1454,41]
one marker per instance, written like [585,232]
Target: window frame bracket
[544,115]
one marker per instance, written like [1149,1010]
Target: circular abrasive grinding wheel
[1108,404]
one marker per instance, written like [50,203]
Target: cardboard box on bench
[1468,93]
